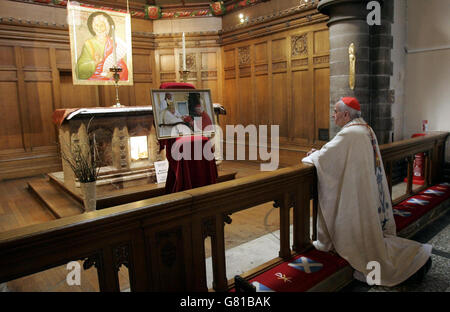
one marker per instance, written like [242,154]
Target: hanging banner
[99,40]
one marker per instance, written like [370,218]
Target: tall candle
[184,53]
[114,45]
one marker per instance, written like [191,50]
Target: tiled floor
[438,278]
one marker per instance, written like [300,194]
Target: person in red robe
[198,118]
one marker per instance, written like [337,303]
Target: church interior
[265,63]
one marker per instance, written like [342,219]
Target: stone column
[348,24]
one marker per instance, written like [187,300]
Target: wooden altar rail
[433,147]
[161,240]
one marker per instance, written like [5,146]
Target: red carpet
[413,208]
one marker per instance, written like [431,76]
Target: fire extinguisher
[418,165]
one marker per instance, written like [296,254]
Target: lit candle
[114,45]
[184,53]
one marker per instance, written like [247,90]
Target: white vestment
[355,215]
[169,118]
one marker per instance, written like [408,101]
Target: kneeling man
[355,217]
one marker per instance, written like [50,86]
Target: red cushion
[176,85]
[300,273]
[416,206]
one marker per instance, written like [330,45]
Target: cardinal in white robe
[355,217]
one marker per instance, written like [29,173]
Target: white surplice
[355,216]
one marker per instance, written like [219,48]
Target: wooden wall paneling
[42,129]
[11,135]
[76,95]
[245,100]
[321,79]
[230,85]
[23,100]
[283,69]
[209,72]
[321,100]
[62,59]
[167,67]
[56,83]
[143,64]
[279,86]
[261,83]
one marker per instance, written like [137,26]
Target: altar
[127,148]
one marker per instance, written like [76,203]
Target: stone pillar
[348,24]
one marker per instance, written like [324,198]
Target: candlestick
[184,53]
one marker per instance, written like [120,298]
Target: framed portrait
[180,112]
[99,39]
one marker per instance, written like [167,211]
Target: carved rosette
[208,227]
[168,253]
[299,45]
[244,55]
[90,261]
[121,256]
[191,63]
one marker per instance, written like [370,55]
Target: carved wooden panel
[142,63]
[36,58]
[70,94]
[191,62]
[229,60]
[244,56]
[169,251]
[280,103]
[7,58]
[43,132]
[321,42]
[322,99]
[279,49]
[261,52]
[299,45]
[302,102]
[167,63]
[62,57]
[209,60]
[11,129]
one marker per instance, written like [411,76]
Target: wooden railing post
[109,273]
[218,255]
[285,204]
[410,175]
[388,171]
[200,230]
[301,222]
[139,275]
